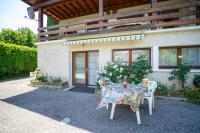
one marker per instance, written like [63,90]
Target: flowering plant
[139,69]
[133,73]
[115,72]
[193,95]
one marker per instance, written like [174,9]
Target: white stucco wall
[55,58]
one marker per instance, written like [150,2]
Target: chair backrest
[153,85]
[101,82]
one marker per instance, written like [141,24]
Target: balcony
[173,16]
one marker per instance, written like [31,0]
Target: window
[168,57]
[142,52]
[171,57]
[129,55]
[121,56]
[191,56]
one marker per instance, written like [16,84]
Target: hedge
[16,60]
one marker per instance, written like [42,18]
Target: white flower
[110,74]
[112,63]
[107,79]
[123,64]
[118,77]
[121,69]
[115,66]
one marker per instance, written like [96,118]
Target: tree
[9,36]
[51,21]
[28,38]
[22,36]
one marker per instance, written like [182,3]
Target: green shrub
[162,89]
[42,78]
[140,68]
[56,80]
[16,60]
[193,95]
[134,73]
[180,74]
[196,81]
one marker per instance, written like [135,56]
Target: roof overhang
[65,9]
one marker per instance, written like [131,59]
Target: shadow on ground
[6,79]
[168,116]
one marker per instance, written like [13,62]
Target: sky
[12,14]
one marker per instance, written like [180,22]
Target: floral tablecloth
[116,93]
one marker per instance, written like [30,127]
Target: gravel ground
[27,109]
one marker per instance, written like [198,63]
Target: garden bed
[50,85]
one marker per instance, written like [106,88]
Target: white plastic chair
[113,110]
[150,95]
[102,88]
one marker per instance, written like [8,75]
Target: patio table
[118,94]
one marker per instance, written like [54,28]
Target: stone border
[50,85]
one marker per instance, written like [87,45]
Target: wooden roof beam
[60,13]
[69,9]
[52,12]
[48,13]
[79,5]
[93,4]
[86,4]
[74,8]
[47,3]
[66,10]
[129,4]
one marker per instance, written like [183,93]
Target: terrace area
[106,16]
[30,109]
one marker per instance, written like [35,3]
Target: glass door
[85,67]
[93,67]
[79,66]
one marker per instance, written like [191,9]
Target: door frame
[86,66]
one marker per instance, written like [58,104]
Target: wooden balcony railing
[150,19]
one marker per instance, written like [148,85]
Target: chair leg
[138,117]
[142,100]
[112,111]
[107,106]
[150,105]
[153,101]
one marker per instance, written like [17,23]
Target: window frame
[130,53]
[179,53]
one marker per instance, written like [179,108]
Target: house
[92,32]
